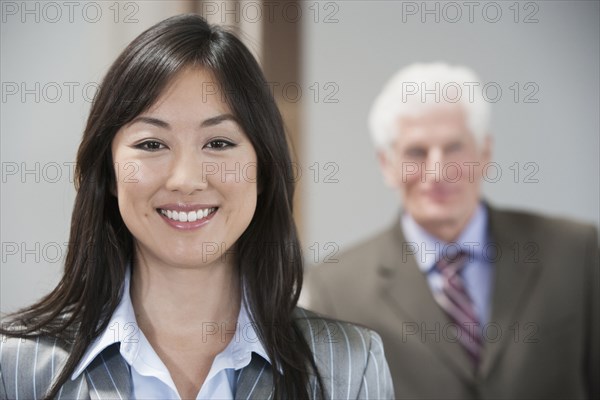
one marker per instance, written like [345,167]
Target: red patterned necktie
[456,302]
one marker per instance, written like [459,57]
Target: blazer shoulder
[322,331]
[538,224]
[375,242]
[28,366]
[350,358]
[25,350]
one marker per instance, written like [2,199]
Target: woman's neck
[181,302]
[187,314]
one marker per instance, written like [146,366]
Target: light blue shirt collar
[122,328]
[427,248]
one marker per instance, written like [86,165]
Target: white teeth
[187,216]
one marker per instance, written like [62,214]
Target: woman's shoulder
[29,365]
[25,351]
[350,357]
[321,331]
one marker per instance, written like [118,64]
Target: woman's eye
[150,145]
[219,144]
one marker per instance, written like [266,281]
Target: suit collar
[405,287]
[255,380]
[108,377]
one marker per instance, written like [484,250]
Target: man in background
[471,302]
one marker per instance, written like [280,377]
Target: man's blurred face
[436,164]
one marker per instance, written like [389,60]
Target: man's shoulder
[373,243]
[534,223]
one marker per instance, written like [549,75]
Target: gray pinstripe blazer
[350,359]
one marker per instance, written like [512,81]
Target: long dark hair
[267,254]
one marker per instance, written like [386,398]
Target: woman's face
[186,175]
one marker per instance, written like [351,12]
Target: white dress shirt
[150,377]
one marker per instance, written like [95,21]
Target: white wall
[373,39]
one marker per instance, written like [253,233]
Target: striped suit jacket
[350,360]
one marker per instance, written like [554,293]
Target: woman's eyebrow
[165,125]
[151,121]
[217,120]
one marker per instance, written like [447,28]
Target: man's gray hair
[417,88]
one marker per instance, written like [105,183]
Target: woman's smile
[179,217]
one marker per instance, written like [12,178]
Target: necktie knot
[452,264]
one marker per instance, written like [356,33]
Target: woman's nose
[187,174]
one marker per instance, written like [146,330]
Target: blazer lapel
[516,271]
[404,285]
[256,380]
[108,376]
[75,389]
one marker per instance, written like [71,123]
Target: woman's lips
[186,220]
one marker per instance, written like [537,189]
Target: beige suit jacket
[543,338]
